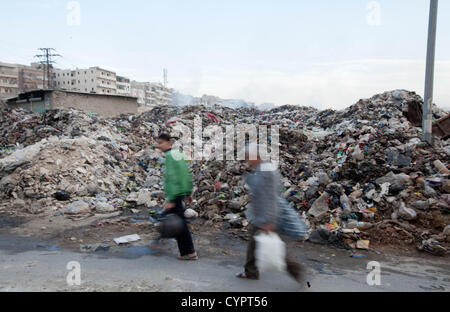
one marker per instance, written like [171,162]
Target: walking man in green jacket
[177,188]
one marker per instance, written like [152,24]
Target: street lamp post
[429,79]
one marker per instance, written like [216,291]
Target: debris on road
[127,239]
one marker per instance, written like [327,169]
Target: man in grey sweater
[264,211]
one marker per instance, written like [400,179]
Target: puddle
[134,252]
[11,222]
[47,247]
[329,272]
[14,244]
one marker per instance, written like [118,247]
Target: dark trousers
[184,240]
[293,268]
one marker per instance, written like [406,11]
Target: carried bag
[291,222]
[270,252]
[170,226]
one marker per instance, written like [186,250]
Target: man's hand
[189,200]
[268,227]
[168,206]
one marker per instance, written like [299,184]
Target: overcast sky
[324,53]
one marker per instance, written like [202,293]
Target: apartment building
[9,80]
[157,94]
[138,91]
[123,86]
[15,79]
[30,78]
[151,93]
[92,80]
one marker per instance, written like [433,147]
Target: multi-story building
[138,91]
[151,93]
[9,80]
[123,86]
[91,80]
[30,78]
[20,78]
[158,94]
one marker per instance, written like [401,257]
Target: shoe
[244,275]
[187,257]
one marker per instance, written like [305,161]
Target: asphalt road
[31,265]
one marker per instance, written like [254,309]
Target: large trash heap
[357,175]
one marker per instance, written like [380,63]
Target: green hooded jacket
[178,179]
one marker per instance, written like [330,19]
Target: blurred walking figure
[178,188]
[264,211]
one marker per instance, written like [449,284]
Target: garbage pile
[360,176]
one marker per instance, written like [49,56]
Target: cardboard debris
[362,244]
[127,239]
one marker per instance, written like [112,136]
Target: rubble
[190,214]
[362,169]
[320,207]
[77,207]
[432,246]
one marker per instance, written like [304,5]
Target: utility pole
[165,77]
[429,79]
[46,61]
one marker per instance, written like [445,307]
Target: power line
[46,60]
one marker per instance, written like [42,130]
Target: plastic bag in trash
[270,253]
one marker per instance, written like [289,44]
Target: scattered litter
[127,239]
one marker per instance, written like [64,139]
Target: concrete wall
[107,106]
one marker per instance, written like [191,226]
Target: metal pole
[429,79]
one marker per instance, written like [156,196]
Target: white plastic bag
[270,253]
[190,214]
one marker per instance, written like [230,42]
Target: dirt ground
[34,252]
[95,230]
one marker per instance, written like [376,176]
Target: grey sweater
[265,188]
